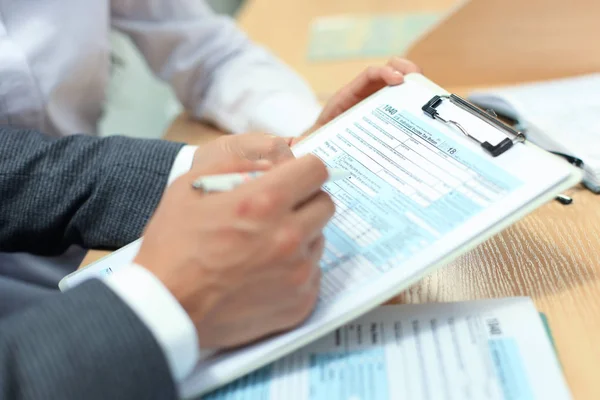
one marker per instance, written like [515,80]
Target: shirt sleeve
[152,302]
[216,71]
[183,163]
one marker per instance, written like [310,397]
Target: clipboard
[429,116]
[431,109]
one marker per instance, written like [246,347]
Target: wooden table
[553,255]
[486,42]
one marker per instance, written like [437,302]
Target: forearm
[85,344]
[216,71]
[96,193]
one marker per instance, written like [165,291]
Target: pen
[227,182]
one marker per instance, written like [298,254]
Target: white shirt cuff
[284,114]
[183,162]
[161,313]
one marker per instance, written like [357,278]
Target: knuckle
[395,60]
[371,69]
[259,204]
[318,168]
[372,72]
[318,249]
[300,277]
[307,305]
[276,142]
[289,239]
[329,204]
[275,145]
[303,307]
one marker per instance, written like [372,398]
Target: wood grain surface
[485,42]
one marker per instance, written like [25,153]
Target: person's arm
[85,344]
[96,193]
[141,339]
[217,72]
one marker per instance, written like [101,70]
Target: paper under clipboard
[421,194]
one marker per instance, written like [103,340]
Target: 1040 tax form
[489,349]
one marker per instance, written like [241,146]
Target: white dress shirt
[55,67]
[162,314]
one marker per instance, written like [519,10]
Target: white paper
[102,267]
[493,349]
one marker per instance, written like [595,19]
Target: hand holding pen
[227,182]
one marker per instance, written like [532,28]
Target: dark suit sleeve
[84,344]
[93,192]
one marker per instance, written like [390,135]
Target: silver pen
[227,182]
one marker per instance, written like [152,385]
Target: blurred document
[494,349]
[342,37]
[365,36]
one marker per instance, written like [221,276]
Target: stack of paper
[561,116]
[492,349]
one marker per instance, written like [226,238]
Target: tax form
[491,349]
[409,187]
[420,194]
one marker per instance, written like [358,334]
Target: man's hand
[243,264]
[368,82]
[249,146]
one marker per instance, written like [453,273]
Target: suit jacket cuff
[83,344]
[161,313]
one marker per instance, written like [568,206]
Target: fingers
[288,185]
[403,66]
[316,249]
[255,146]
[392,73]
[299,238]
[295,140]
[312,216]
[388,76]
[368,82]
[230,164]
[375,78]
[289,140]
[304,276]
[278,150]
[310,292]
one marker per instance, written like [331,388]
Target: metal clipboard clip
[430,108]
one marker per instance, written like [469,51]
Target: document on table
[363,36]
[490,349]
[420,194]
